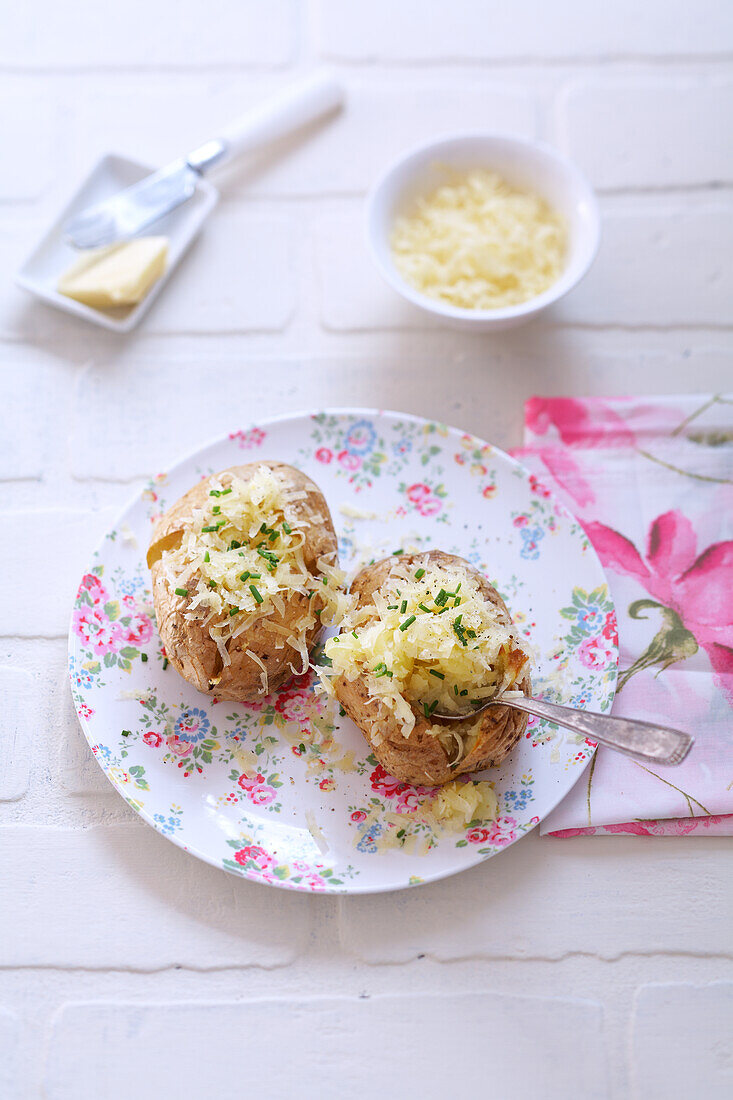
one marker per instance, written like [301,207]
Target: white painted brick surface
[385,118]
[143,904]
[643,131]
[682,1036]
[237,277]
[474,30]
[163,35]
[27,176]
[17,691]
[10,1085]
[545,872]
[661,262]
[28,540]
[326,1048]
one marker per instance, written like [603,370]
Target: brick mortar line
[601,62]
[308,959]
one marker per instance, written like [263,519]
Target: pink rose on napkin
[696,588]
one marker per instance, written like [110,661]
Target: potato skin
[188,645]
[420,759]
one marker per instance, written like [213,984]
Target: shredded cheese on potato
[480,244]
[430,641]
[241,558]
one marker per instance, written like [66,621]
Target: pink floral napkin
[651,480]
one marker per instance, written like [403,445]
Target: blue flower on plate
[104,751]
[368,841]
[518,800]
[530,537]
[128,586]
[591,618]
[192,725]
[360,438]
[402,446]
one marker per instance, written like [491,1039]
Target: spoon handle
[642,740]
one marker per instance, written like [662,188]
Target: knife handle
[296,106]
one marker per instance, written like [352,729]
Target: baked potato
[245,575]
[426,633]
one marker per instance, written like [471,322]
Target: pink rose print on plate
[349,461]
[153,739]
[140,629]
[502,831]
[324,455]
[424,499]
[408,797]
[97,630]
[358,815]
[255,437]
[296,706]
[259,857]
[263,796]
[596,653]
[177,747]
[95,590]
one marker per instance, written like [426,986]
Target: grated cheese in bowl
[480,244]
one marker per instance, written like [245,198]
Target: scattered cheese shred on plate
[480,243]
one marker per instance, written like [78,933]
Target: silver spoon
[641,740]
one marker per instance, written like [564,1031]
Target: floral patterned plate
[284,791]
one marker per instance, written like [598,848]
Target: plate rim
[355,887]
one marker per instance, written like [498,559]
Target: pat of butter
[118,275]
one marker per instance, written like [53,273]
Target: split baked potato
[427,633]
[245,575]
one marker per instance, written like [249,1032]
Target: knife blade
[127,213]
[124,215]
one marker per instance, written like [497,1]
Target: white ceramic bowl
[526,164]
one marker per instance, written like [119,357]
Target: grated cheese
[456,804]
[426,644]
[480,244]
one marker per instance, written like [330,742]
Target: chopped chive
[212,584]
[211,527]
[181,591]
[311,594]
[403,609]
[426,708]
[396,552]
[255,593]
[214,493]
[274,536]
[143,656]
[434,672]
[255,576]
[166,662]
[476,702]
[393,607]
[420,573]
[216,509]
[287,528]
[245,576]
[127,733]
[354,633]
[233,611]
[263,528]
[471,633]
[464,692]
[342,712]
[424,608]
[433,705]
[207,556]
[325,582]
[441,598]
[301,746]
[224,492]
[407,622]
[455,689]
[400,832]
[457,620]
[234,544]
[457,601]
[318,613]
